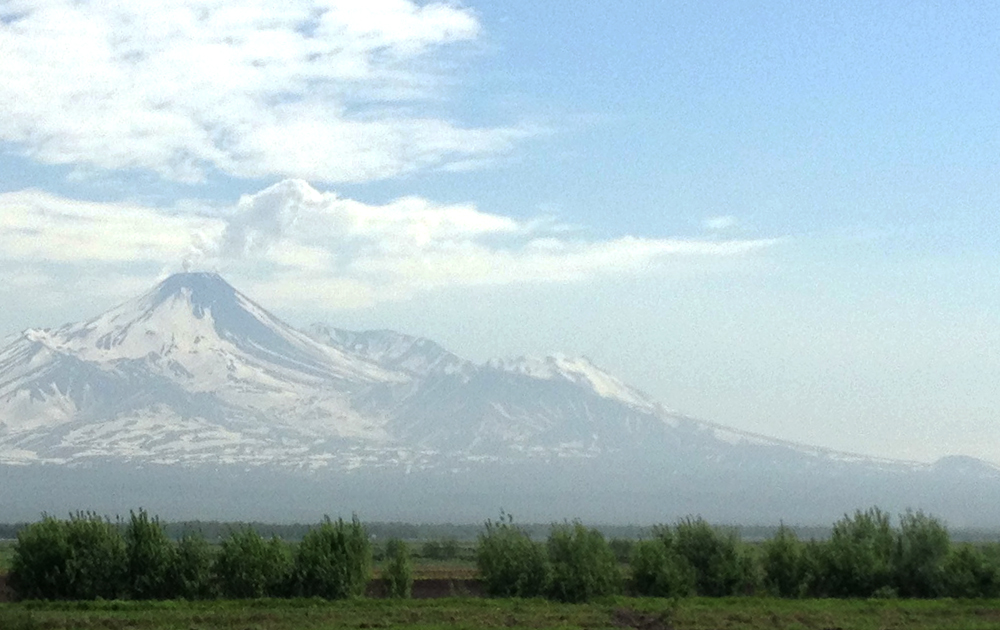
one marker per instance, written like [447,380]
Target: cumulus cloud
[331,90]
[295,243]
[296,210]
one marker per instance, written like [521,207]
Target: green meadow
[536,614]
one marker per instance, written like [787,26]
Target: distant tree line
[867,554]
[216,531]
[9,531]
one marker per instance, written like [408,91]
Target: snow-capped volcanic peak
[172,318]
[194,317]
[577,370]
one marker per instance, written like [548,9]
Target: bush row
[89,557]
[865,556]
[575,565]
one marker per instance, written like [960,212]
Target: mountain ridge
[160,331]
[195,375]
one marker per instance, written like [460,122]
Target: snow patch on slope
[580,371]
[392,350]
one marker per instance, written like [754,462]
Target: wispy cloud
[293,241]
[720,223]
[41,228]
[330,90]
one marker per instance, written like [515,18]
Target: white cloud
[720,223]
[41,228]
[294,243]
[331,90]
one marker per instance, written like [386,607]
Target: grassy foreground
[645,614]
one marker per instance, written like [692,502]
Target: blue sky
[777,216]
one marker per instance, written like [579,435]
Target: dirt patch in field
[432,588]
[628,618]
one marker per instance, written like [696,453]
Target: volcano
[198,382]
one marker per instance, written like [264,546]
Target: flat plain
[750,613]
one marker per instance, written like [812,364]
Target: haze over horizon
[778,218]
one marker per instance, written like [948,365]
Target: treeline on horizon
[216,531]
[867,554]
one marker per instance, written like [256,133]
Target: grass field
[437,569]
[646,614]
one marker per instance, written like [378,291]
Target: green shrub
[658,570]
[39,564]
[969,572]
[449,549]
[583,565]
[511,564]
[333,561]
[857,560]
[446,549]
[721,566]
[398,571]
[151,557]
[191,573]
[82,558]
[783,564]
[97,566]
[922,545]
[431,550]
[991,566]
[813,561]
[248,567]
[622,548]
